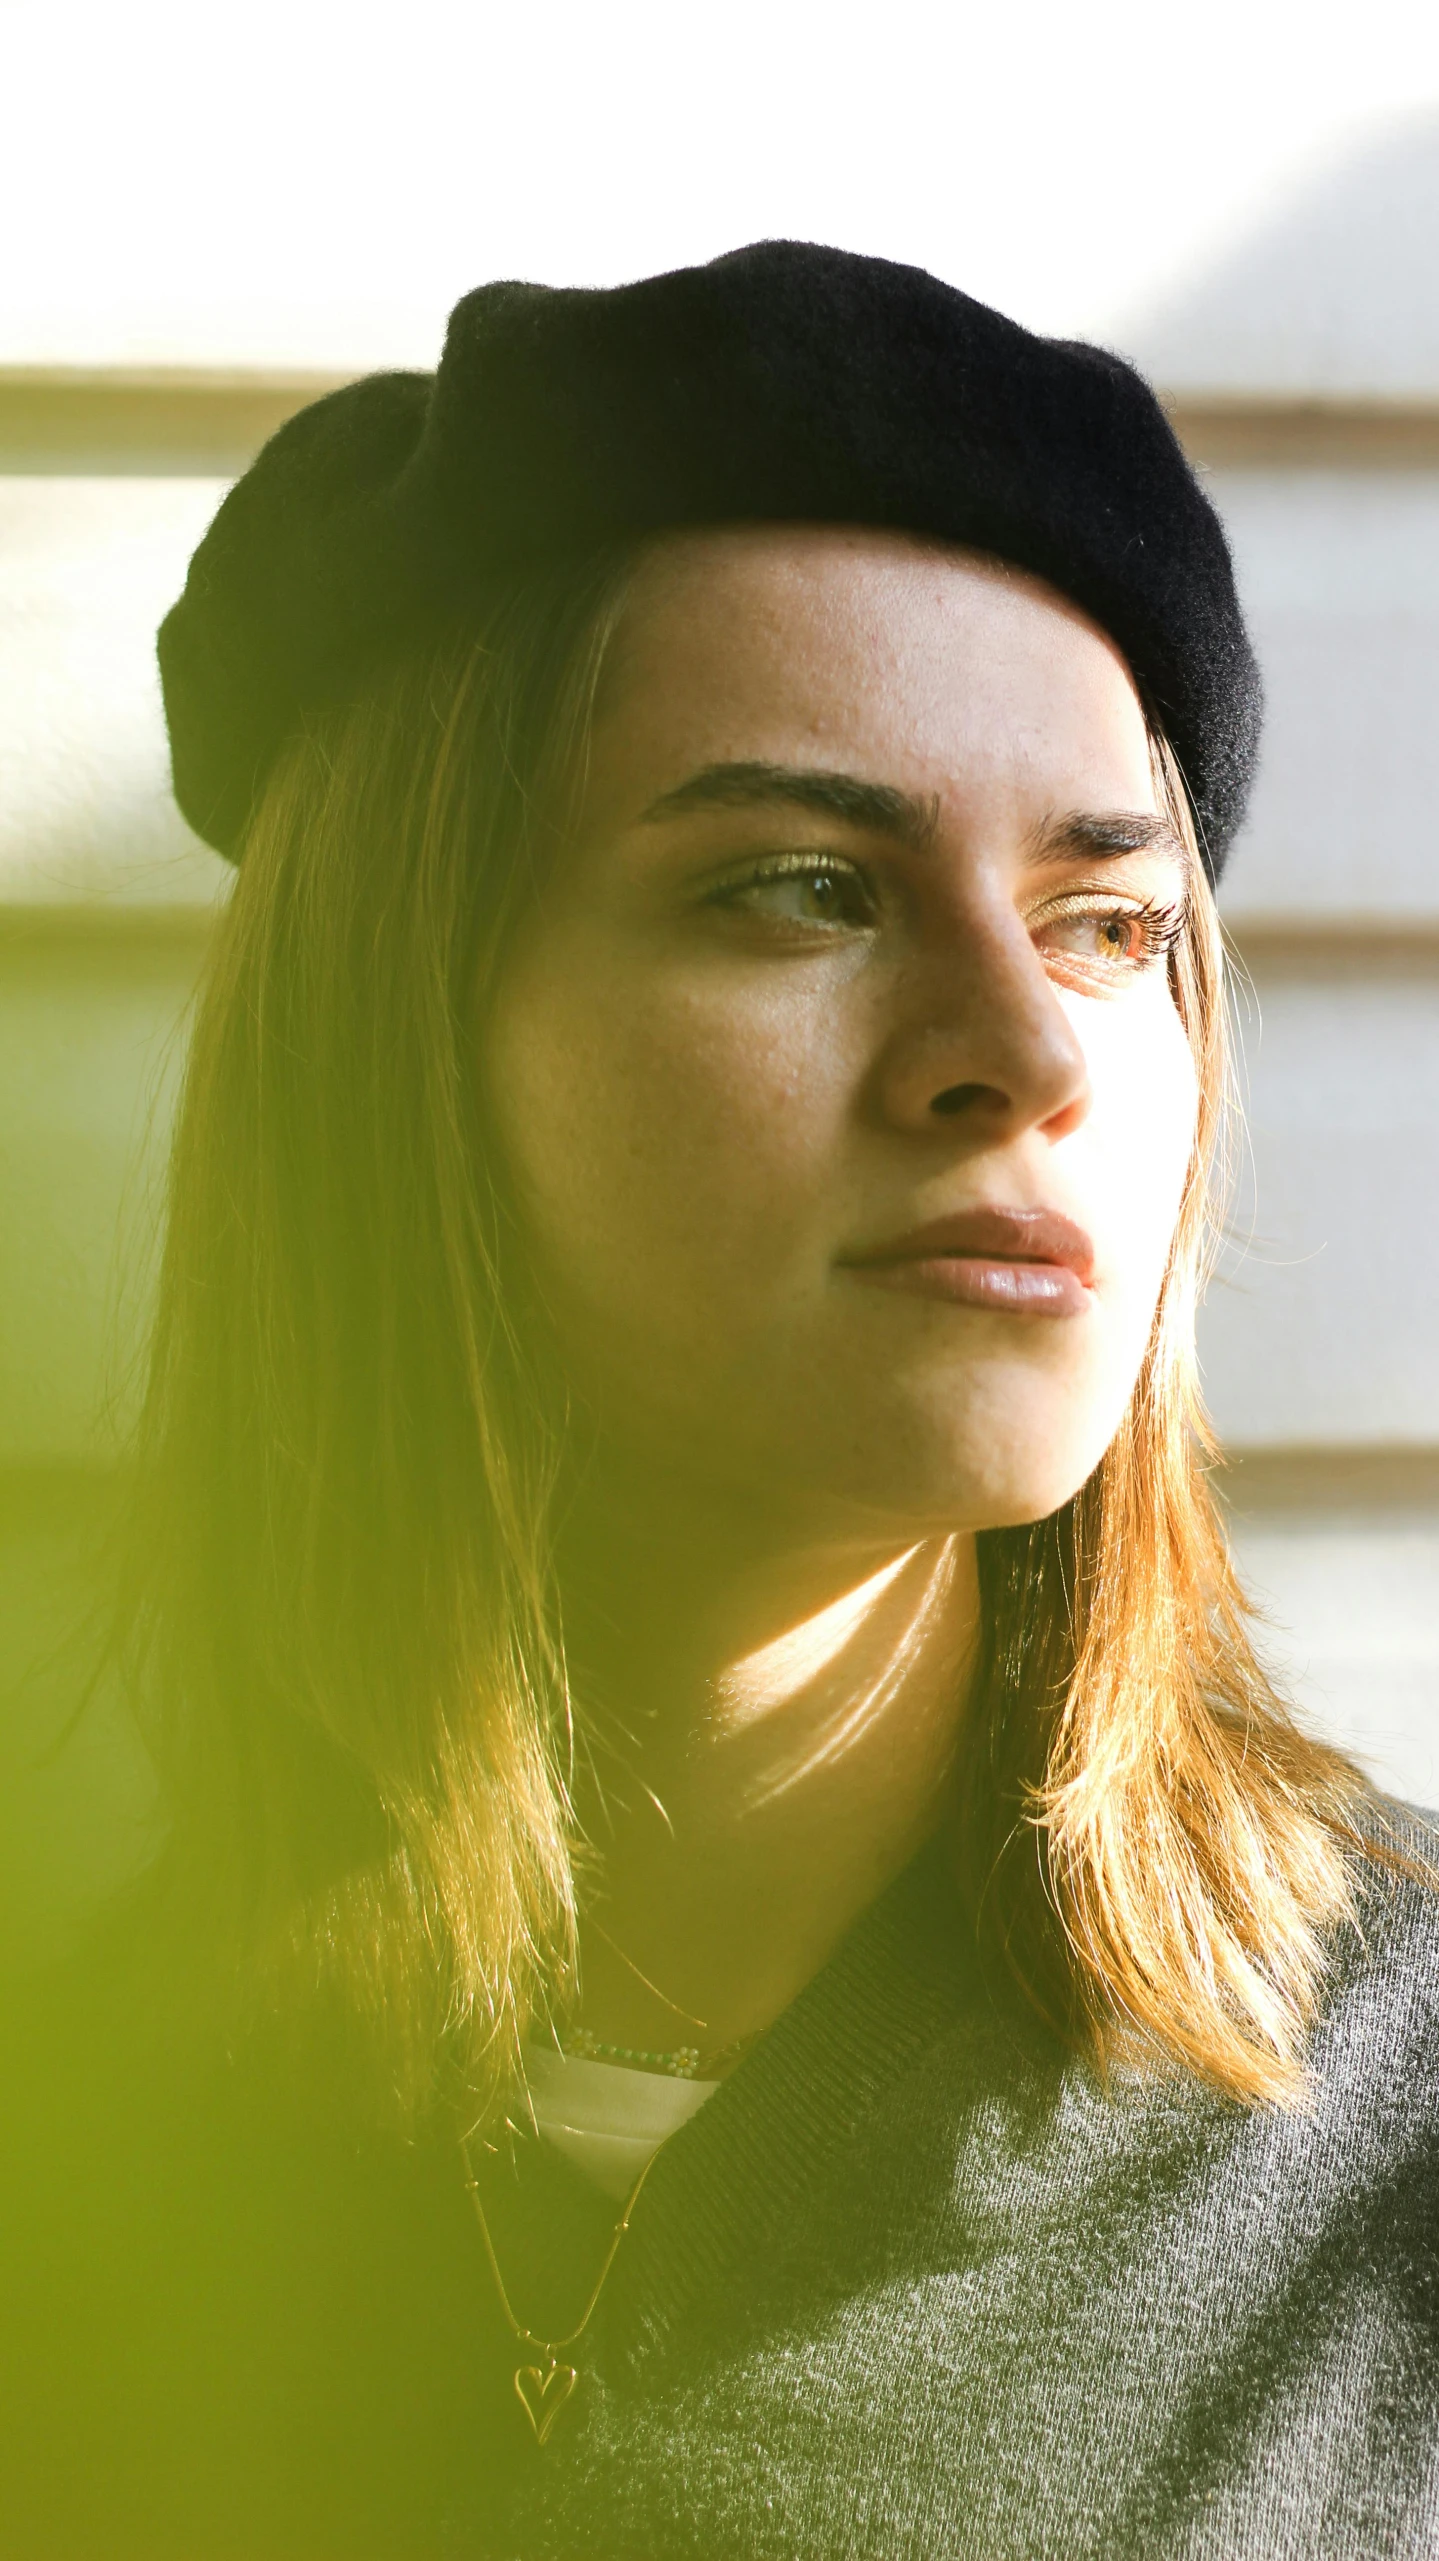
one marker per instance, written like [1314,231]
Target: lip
[1014,1262]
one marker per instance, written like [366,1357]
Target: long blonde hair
[341,1612]
[1164,1851]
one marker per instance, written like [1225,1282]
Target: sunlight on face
[837,1070]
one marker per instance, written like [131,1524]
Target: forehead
[938,669]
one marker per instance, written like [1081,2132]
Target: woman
[750,1964]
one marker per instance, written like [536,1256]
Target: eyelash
[796,866]
[1160,925]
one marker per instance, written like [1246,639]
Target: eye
[1111,938]
[808,890]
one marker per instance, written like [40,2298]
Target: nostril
[961,1098]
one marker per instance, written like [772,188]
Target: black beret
[784,382]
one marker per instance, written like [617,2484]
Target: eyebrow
[1101,834]
[880,807]
[884,810]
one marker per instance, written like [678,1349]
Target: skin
[736,1046]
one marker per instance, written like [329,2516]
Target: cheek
[1138,1140]
[658,1141]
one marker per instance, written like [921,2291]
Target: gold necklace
[542,2389]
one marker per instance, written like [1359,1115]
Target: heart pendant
[543,2396]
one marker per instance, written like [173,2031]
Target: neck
[774,1724]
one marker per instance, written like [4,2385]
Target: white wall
[1340,576]
[1352,1627]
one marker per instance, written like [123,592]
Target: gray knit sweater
[914,2284]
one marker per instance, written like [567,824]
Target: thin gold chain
[527,2339]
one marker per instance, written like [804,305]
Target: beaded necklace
[682,2063]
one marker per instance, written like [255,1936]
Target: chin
[980,1499]
[997,1470]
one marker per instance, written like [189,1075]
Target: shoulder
[1376,2041]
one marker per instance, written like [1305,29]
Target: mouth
[1014,1262]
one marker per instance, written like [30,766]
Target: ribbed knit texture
[913,2285]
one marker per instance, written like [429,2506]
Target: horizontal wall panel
[177,421]
[1351,1632]
[91,1048]
[154,421]
[1375,1484]
[1320,1328]
[1242,431]
[1339,1548]
[1340,577]
[1330,285]
[86,811]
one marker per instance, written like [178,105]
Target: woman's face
[837,1072]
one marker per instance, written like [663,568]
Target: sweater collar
[745,2166]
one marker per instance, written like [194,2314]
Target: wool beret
[784,382]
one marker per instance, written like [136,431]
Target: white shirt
[605,2117]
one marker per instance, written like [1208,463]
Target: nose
[980,1038]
